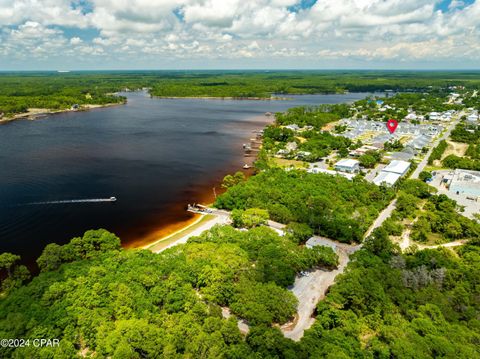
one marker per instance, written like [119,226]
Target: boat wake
[90,200]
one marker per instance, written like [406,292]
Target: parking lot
[471,206]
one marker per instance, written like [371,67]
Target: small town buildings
[465,182]
[301,155]
[392,173]
[282,153]
[411,116]
[291,146]
[398,167]
[294,127]
[386,178]
[362,150]
[473,117]
[348,165]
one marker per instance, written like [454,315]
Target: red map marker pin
[392,125]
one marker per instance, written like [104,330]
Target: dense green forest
[102,301]
[433,218]
[437,152]
[316,116]
[266,83]
[99,299]
[20,91]
[424,304]
[106,302]
[470,134]
[332,206]
[467,133]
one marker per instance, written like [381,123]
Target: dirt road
[309,290]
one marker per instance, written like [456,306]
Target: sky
[239,34]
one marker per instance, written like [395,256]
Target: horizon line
[247,69]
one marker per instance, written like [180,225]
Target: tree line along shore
[53,91]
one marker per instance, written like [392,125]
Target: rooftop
[388,178]
[466,177]
[397,166]
[347,162]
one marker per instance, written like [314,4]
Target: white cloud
[76,41]
[156,30]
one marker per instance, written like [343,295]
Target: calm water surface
[154,155]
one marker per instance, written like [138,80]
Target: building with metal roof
[398,167]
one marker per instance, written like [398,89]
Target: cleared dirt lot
[455,148]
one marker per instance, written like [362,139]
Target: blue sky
[232,34]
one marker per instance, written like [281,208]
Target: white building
[386,178]
[348,165]
[291,146]
[301,155]
[473,117]
[398,167]
[392,173]
[294,127]
[411,116]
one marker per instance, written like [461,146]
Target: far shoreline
[222,98]
[35,114]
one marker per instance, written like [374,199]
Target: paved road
[310,290]
[445,135]
[382,217]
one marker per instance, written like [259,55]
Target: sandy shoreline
[174,231]
[38,113]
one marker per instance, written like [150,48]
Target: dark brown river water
[153,155]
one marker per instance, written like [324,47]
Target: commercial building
[392,173]
[398,167]
[387,178]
